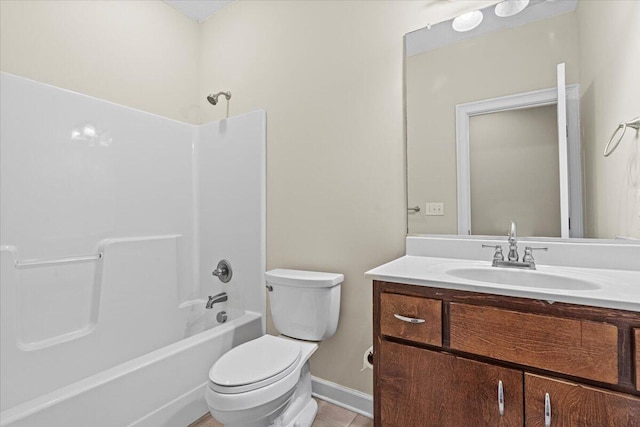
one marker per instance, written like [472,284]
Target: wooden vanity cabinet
[441,356]
[414,392]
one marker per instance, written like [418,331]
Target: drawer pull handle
[500,398]
[547,410]
[408,319]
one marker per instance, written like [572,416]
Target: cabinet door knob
[408,319]
[500,398]
[547,410]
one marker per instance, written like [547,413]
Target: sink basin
[525,278]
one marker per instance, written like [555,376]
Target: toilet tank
[304,304]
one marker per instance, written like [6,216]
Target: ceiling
[198,10]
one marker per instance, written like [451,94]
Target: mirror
[495,88]
[495,156]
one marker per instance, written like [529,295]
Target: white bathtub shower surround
[77,170]
[149,207]
[230,160]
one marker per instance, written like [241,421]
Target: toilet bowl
[246,390]
[267,381]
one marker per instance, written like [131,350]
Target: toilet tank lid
[300,278]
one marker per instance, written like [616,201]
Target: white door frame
[519,101]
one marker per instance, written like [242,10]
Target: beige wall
[143,54]
[501,63]
[513,159]
[330,75]
[610,93]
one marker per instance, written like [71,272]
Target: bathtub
[162,388]
[111,223]
[106,341]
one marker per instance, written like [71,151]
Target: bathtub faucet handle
[223,271]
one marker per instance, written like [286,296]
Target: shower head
[213,99]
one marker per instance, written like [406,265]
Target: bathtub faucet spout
[221,297]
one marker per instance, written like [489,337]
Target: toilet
[267,381]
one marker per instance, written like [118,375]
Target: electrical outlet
[434,209]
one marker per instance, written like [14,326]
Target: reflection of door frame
[519,101]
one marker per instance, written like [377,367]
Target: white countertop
[619,289]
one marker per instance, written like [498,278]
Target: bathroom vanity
[451,350]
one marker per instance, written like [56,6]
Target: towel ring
[634,123]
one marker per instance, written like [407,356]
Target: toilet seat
[254,365]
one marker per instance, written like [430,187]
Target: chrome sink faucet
[527,262]
[221,297]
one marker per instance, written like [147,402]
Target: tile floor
[328,416]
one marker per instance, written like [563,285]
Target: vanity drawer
[411,318]
[574,347]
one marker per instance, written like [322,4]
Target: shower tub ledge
[162,388]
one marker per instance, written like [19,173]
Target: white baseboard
[353,400]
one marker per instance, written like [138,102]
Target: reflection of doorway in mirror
[513,159]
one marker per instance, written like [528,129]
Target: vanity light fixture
[467,21]
[510,7]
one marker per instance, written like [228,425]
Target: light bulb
[467,21]
[510,7]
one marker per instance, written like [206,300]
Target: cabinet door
[572,404]
[423,388]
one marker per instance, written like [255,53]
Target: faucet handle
[223,271]
[497,255]
[528,253]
